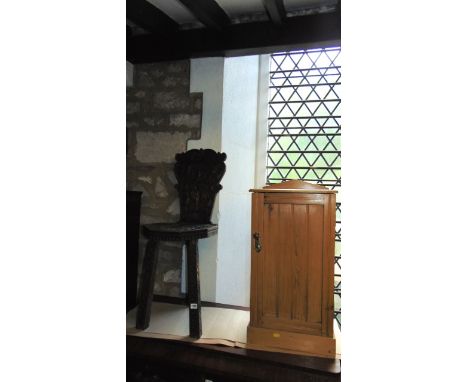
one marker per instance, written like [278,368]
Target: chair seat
[179,231]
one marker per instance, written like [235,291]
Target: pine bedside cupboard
[293,248]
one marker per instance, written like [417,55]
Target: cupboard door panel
[269,269]
[315,235]
[299,306]
[291,265]
[281,253]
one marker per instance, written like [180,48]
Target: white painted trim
[262,120]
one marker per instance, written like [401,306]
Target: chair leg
[193,289]
[148,275]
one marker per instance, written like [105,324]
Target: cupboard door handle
[258,244]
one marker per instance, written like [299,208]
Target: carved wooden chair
[198,173]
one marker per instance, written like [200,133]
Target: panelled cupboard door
[292,260]
[291,268]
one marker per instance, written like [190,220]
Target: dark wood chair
[198,173]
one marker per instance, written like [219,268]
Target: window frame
[263,152]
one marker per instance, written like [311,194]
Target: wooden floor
[158,360]
[221,326]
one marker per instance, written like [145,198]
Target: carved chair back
[198,173]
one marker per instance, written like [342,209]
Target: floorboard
[150,359]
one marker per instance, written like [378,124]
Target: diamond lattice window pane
[304,127]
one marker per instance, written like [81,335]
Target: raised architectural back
[198,174]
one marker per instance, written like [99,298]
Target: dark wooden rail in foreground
[154,360]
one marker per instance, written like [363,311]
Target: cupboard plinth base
[290,342]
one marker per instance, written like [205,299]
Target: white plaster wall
[229,124]
[238,141]
[206,75]
[262,120]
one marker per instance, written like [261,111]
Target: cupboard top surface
[295,186]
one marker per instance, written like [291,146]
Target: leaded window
[304,127]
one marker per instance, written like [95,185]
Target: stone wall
[161,116]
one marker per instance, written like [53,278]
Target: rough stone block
[140,94]
[146,179]
[172,276]
[169,256]
[196,102]
[171,177]
[155,122]
[160,188]
[174,291]
[171,101]
[159,147]
[147,107]
[168,270]
[196,133]
[131,95]
[158,191]
[158,286]
[132,124]
[179,67]
[185,120]
[149,122]
[174,82]
[129,74]
[157,73]
[133,107]
[143,79]
[148,218]
[174,208]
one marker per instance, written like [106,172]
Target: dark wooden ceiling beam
[208,12]
[275,10]
[148,17]
[299,32]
